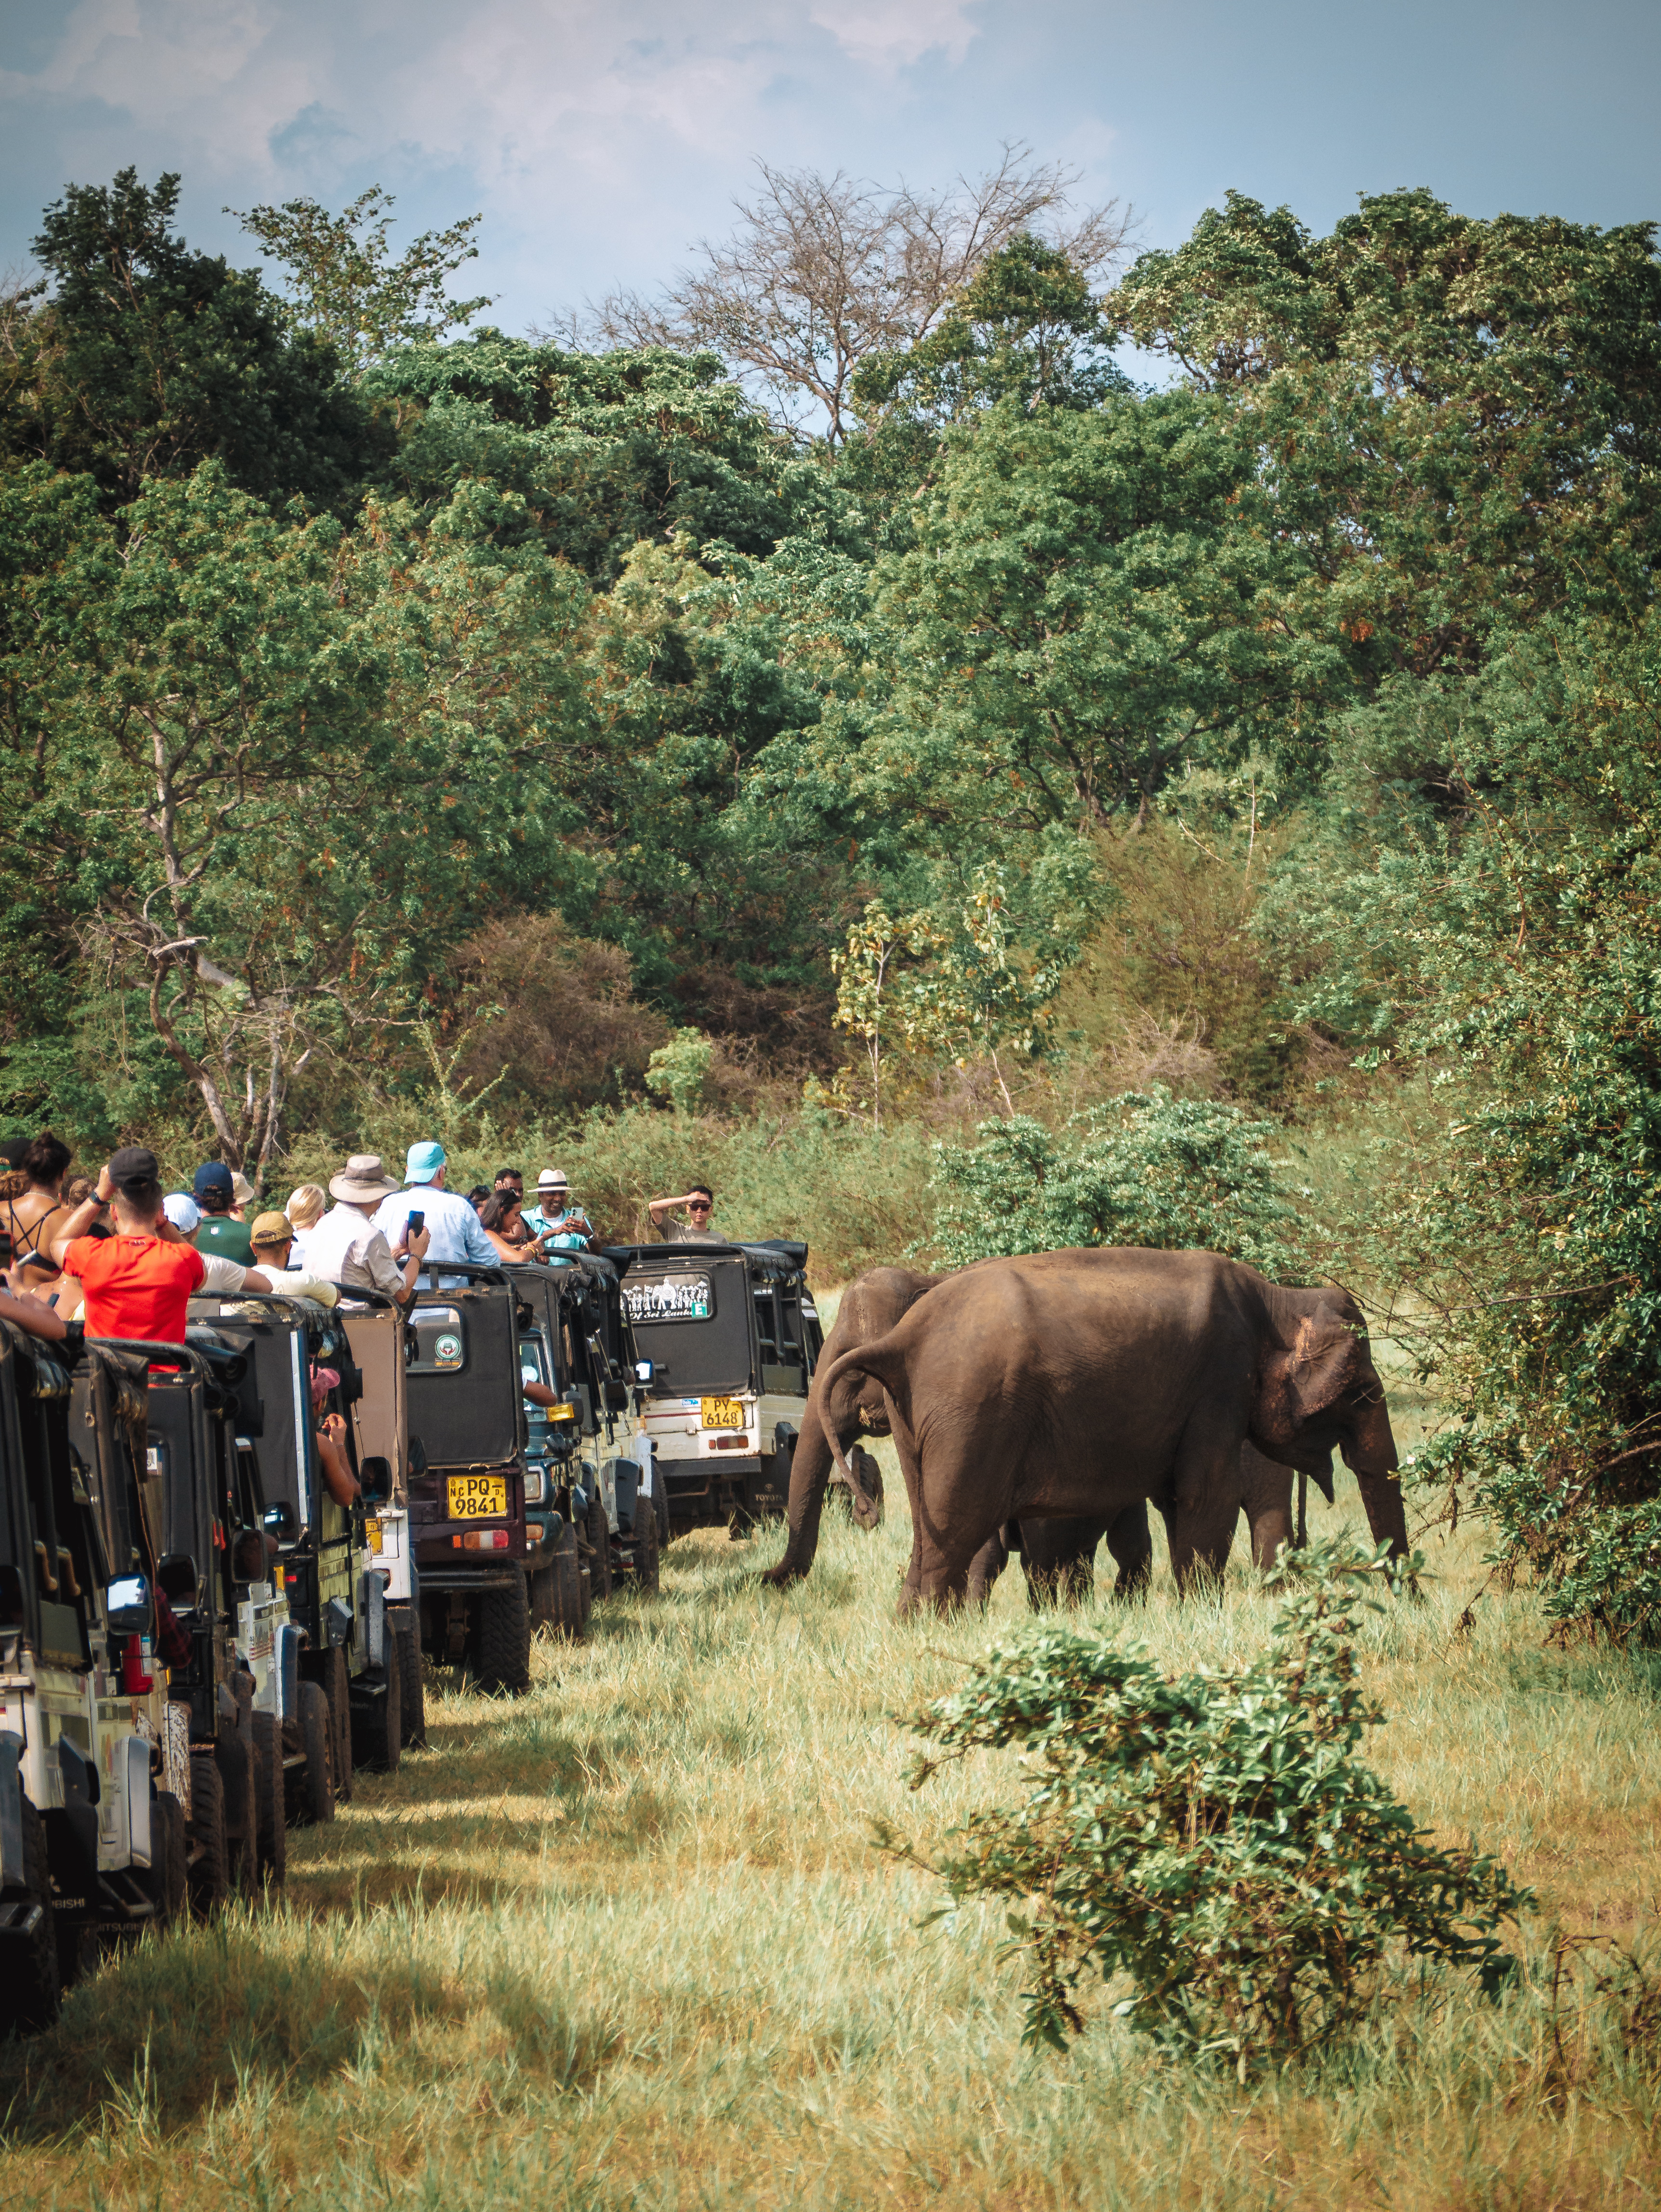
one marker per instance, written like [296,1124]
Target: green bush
[1214,1837]
[1146,1169]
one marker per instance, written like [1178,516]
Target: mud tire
[170,1870]
[209,1877]
[413,1685]
[317,1790]
[598,1534]
[29,1989]
[504,1638]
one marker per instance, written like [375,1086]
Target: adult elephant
[1074,1385]
[1057,1556]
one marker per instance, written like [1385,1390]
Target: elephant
[1076,1384]
[1057,1555]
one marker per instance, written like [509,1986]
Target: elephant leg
[911,1588]
[1131,1545]
[1266,1494]
[1058,1557]
[987,1563]
[1204,1504]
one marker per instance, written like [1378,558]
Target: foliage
[1462,417]
[1500,914]
[149,358]
[1094,597]
[1177,1173]
[1026,327]
[1215,1836]
[347,287]
[678,1070]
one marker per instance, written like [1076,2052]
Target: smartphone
[418,1222]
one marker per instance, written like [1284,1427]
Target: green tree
[344,285]
[148,358]
[1462,419]
[1095,598]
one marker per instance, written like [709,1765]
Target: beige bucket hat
[362,1180]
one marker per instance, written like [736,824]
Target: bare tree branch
[821,270]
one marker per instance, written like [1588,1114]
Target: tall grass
[626,1943]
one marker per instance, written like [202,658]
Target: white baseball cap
[183,1212]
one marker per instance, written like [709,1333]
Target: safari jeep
[93,1782]
[467,1439]
[214,1571]
[595,1512]
[379,1418]
[727,1336]
[319,1646]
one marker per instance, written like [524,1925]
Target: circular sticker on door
[447,1350]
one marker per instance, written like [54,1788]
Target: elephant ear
[1301,1381]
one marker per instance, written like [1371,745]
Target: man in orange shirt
[138,1283]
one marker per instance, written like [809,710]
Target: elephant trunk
[1370,1450]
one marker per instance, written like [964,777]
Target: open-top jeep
[94,1781]
[226,1614]
[728,1337]
[329,1669]
[594,1509]
[467,1439]
[378,1417]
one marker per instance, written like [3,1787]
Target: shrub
[1147,1169]
[1215,1837]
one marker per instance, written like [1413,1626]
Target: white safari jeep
[727,1336]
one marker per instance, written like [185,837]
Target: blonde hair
[304,1205]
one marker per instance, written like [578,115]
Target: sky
[600,142]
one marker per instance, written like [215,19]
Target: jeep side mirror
[282,1521]
[377,1474]
[127,1606]
[644,1370]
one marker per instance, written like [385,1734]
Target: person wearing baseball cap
[223,1230]
[272,1237]
[451,1227]
[138,1283]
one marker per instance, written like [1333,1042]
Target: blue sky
[600,142]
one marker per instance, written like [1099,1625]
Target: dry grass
[626,1943]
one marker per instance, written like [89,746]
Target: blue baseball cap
[422,1161]
[213,1175]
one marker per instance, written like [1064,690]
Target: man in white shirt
[346,1247]
[452,1228]
[219,1274]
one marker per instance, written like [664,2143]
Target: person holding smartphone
[347,1246]
[556,1221]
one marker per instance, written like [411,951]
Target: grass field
[626,1943]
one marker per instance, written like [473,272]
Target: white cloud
[896,36]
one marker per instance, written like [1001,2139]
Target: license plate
[721,1413]
[476,1497]
[372,1536]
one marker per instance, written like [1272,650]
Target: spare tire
[28,1989]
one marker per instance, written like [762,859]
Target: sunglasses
[699,1204]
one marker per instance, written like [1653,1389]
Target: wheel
[504,1637]
[337,1688]
[270,1827]
[236,1775]
[645,1549]
[413,1725]
[169,1855]
[570,1610]
[598,1533]
[209,1867]
[543,1592]
[28,1990]
[317,1742]
[377,1722]
[660,1500]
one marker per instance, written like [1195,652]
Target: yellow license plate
[476,1497]
[721,1413]
[372,1535]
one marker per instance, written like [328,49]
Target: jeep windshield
[691,1320]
